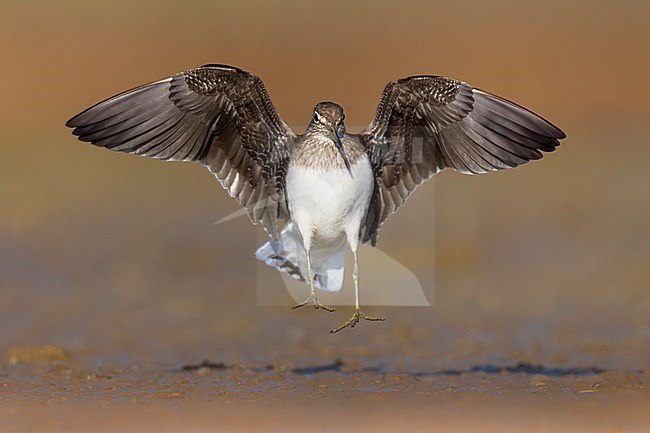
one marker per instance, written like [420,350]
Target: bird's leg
[312,300]
[358,314]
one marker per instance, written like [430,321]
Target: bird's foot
[358,315]
[312,300]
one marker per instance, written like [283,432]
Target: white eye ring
[316,117]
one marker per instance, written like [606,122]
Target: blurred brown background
[115,257]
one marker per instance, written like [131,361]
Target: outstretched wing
[216,114]
[425,124]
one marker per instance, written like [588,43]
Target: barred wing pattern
[218,115]
[425,124]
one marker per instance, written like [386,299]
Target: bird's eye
[316,117]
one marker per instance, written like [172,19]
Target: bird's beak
[339,146]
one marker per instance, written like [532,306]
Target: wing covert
[425,124]
[218,115]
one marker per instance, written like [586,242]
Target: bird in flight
[316,193]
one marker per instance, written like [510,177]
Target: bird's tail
[288,256]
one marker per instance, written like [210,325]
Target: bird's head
[329,119]
[329,116]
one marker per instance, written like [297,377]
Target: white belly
[329,204]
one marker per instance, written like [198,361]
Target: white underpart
[327,208]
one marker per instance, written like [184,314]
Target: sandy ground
[116,284]
[324,398]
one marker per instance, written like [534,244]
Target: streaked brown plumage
[223,117]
